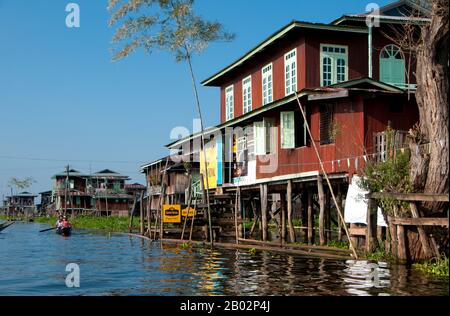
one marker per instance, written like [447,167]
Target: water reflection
[34,264]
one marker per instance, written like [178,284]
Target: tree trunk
[429,174]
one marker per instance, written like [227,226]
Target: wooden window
[392,66]
[290,71]
[287,127]
[326,124]
[267,84]
[247,94]
[229,103]
[264,136]
[333,64]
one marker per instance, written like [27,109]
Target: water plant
[437,267]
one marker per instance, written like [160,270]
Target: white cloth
[356,205]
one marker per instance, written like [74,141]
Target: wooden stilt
[339,201]
[371,232]
[322,236]
[310,218]
[292,238]
[141,214]
[263,192]
[130,225]
[149,217]
[283,219]
[328,231]
[304,217]
[236,211]
[189,205]
[401,244]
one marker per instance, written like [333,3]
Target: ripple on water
[34,264]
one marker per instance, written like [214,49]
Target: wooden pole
[149,216]
[401,245]
[292,238]
[283,219]
[236,211]
[263,192]
[310,219]
[130,225]
[322,235]
[339,200]
[192,221]
[371,233]
[141,214]
[328,216]
[189,204]
[326,175]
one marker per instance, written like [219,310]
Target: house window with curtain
[265,136]
[333,64]
[293,130]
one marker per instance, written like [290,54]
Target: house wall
[349,119]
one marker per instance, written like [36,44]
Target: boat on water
[64,231]
[5,225]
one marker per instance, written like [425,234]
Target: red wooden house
[352,81]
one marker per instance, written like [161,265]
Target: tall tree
[169,25]
[430,168]
[20,184]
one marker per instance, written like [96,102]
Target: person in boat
[59,222]
[65,223]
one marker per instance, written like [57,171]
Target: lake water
[34,263]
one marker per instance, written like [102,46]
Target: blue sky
[63,101]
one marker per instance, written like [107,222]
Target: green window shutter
[287,130]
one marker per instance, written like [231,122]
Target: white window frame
[267,73]
[334,56]
[229,103]
[247,95]
[290,72]
[287,132]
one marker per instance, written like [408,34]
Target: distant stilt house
[46,201]
[135,190]
[102,193]
[21,204]
[177,178]
[110,196]
[71,192]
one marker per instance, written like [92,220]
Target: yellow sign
[211,163]
[172,213]
[192,212]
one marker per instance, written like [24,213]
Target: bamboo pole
[130,225]
[326,175]
[149,216]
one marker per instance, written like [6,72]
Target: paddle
[46,230]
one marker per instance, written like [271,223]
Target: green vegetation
[252,251]
[110,224]
[437,267]
[338,244]
[185,245]
[391,175]
[379,255]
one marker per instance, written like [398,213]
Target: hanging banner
[211,163]
[172,213]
